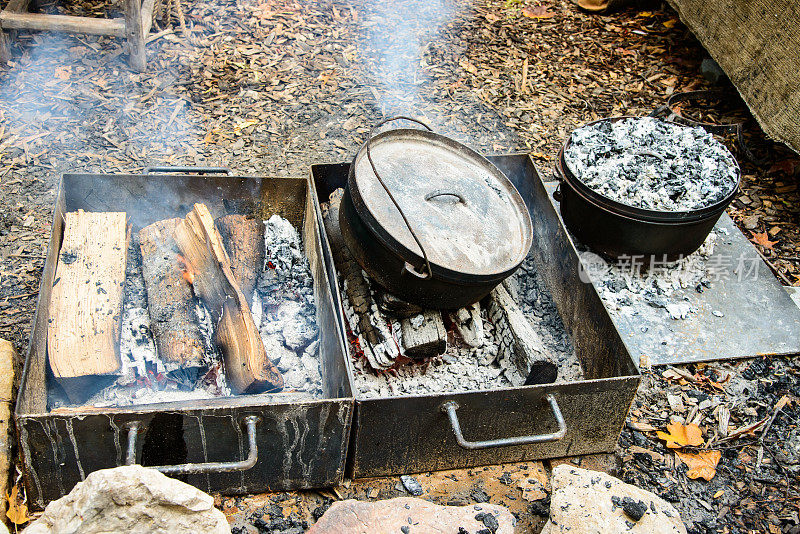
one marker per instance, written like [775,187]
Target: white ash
[536,302]
[285,310]
[137,347]
[462,367]
[651,164]
[638,284]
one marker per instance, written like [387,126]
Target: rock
[592,502]
[406,514]
[131,499]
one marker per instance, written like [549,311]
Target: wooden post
[5,47]
[135,35]
[13,6]
[7,355]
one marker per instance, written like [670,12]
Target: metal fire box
[417,433]
[241,444]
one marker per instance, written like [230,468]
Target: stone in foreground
[131,499]
[591,502]
[406,515]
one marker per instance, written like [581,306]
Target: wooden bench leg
[135,35]
[5,47]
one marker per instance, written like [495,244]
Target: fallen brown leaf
[702,464]
[679,435]
[17,510]
[763,240]
[539,12]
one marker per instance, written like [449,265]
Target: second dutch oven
[430,220]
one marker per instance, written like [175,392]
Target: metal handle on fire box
[208,467]
[425,272]
[450,408]
[196,170]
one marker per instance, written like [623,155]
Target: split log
[244,241]
[469,324]
[7,356]
[522,351]
[247,367]
[382,350]
[86,302]
[424,335]
[170,301]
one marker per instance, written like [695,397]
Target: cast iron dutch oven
[614,229]
[430,220]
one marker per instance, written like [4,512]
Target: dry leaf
[670,23]
[679,435]
[539,12]
[763,240]
[467,66]
[702,464]
[63,73]
[17,510]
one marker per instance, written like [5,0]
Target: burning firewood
[247,367]
[424,334]
[370,322]
[521,349]
[244,241]
[86,302]
[169,298]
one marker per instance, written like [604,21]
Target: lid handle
[442,193]
[425,271]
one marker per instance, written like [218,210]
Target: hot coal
[466,368]
[651,164]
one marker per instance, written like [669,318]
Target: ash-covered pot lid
[467,214]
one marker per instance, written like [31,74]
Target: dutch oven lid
[467,214]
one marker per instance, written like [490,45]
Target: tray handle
[208,467]
[450,408]
[196,170]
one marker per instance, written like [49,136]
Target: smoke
[398,36]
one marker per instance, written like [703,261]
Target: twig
[774,269]
[159,35]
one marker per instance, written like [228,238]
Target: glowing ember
[186,267]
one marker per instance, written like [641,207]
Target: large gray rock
[406,514]
[131,499]
[591,502]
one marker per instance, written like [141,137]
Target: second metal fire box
[408,433]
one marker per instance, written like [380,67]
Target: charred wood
[247,366]
[170,299]
[521,349]
[244,241]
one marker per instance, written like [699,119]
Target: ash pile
[402,349]
[652,164]
[188,332]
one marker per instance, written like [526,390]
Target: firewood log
[358,293]
[424,335]
[247,367]
[244,241]
[522,351]
[170,300]
[86,302]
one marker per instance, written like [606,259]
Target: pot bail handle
[425,271]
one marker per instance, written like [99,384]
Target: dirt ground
[269,88]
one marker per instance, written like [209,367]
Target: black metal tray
[409,434]
[245,444]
